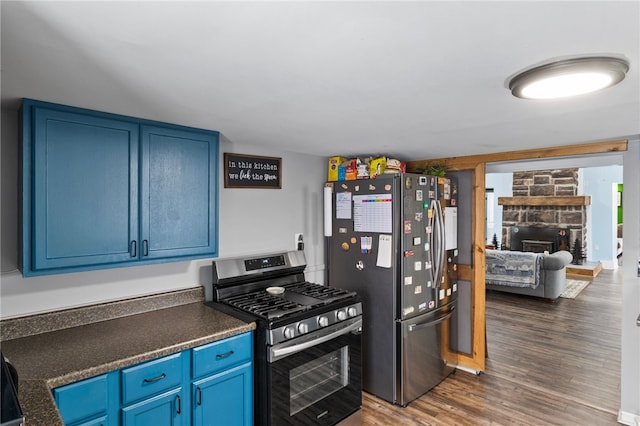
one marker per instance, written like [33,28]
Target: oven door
[316,379]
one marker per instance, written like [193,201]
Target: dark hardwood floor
[549,363]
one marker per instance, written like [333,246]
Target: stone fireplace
[545,211]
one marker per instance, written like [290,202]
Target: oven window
[318,378]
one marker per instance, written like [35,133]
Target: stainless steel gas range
[308,359]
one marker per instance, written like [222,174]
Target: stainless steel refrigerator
[393,240]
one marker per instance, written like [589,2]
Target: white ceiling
[415,80]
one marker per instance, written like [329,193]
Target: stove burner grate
[264,304]
[317,291]
[298,297]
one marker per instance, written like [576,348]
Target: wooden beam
[469,162]
[558,201]
[478,294]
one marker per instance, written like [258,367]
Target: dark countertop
[48,360]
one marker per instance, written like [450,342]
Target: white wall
[251,221]
[602,214]
[630,371]
[502,184]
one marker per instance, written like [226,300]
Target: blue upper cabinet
[102,190]
[177,192]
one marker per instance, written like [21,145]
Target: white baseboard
[628,419]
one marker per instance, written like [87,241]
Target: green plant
[436,170]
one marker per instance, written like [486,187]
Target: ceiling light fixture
[569,77]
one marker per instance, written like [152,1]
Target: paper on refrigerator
[343,205]
[373,213]
[451,228]
[385,251]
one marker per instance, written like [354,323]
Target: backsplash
[67,318]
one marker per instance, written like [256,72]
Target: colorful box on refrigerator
[334,165]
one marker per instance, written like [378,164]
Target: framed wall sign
[252,171]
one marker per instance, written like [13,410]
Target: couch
[533,274]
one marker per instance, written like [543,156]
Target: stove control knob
[303,328]
[352,312]
[323,321]
[342,315]
[289,332]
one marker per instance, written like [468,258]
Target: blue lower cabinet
[152,392]
[89,402]
[161,410]
[224,399]
[208,385]
[153,377]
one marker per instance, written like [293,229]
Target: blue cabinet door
[84,182]
[90,402]
[224,399]
[178,192]
[162,410]
[86,399]
[102,190]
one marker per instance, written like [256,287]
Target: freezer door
[425,355]
[363,225]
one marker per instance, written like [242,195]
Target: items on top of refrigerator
[395,166]
[334,164]
[341,168]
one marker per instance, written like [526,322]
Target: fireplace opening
[539,240]
[537,246]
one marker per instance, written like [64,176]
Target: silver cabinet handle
[155,379]
[638,321]
[224,355]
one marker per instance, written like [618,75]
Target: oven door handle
[280,351]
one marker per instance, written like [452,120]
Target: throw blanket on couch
[512,268]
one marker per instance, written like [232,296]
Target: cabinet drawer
[152,377]
[222,354]
[82,400]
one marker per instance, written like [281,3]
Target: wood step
[587,269]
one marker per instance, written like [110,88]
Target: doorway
[599,178]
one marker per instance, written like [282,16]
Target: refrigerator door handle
[440,241]
[432,243]
[414,327]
